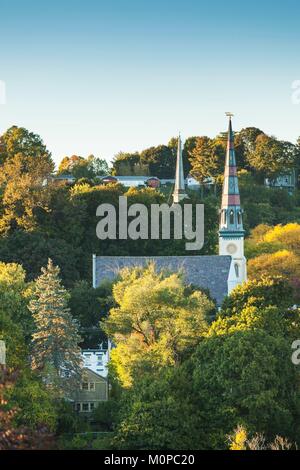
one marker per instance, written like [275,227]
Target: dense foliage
[182,377]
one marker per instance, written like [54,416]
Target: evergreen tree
[55,351]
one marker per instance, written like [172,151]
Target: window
[92,406]
[85,407]
[92,385]
[85,386]
[231,217]
[237,269]
[77,408]
[239,217]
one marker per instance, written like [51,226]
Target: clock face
[231,248]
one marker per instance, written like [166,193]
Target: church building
[217,273]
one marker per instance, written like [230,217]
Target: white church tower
[179,189]
[231,232]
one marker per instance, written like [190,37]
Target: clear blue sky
[103,76]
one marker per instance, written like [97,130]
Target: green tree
[263,292]
[241,372]
[13,436]
[19,140]
[35,404]
[124,163]
[14,296]
[23,181]
[271,157]
[207,159]
[161,161]
[158,319]
[32,249]
[99,166]
[55,352]
[80,167]
[158,413]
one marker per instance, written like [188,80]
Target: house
[64,178]
[287,181]
[96,360]
[92,391]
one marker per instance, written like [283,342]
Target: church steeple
[179,189]
[231,219]
[231,232]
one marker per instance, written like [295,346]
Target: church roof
[209,272]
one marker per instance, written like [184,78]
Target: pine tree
[55,351]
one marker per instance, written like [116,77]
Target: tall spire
[179,189]
[231,221]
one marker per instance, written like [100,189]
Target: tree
[263,292]
[55,352]
[247,138]
[271,157]
[25,194]
[98,166]
[239,440]
[34,403]
[32,249]
[157,321]
[237,382]
[276,252]
[80,167]
[26,166]
[13,437]
[158,413]
[125,163]
[239,373]
[283,262]
[19,140]
[207,159]
[68,164]
[161,161]
[14,297]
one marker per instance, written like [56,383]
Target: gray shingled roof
[209,272]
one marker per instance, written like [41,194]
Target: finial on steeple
[179,189]
[229,114]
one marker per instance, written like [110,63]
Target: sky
[99,77]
